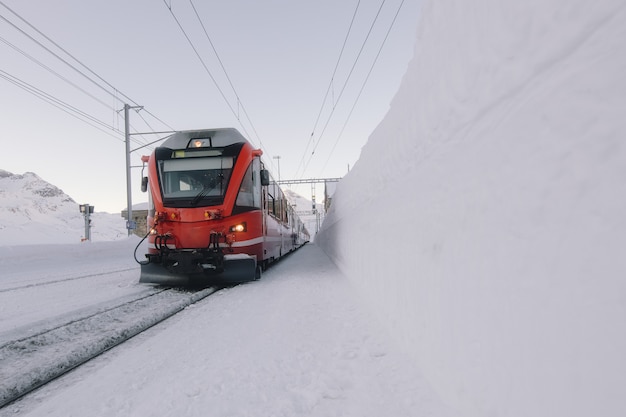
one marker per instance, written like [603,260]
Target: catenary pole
[129,198]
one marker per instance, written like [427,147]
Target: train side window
[272,201]
[278,205]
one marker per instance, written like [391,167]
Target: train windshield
[197,181]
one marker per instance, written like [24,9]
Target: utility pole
[130,223]
[277,157]
[314,208]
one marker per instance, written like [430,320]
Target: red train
[215,214]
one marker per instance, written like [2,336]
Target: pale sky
[279,57]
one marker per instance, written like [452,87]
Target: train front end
[205,210]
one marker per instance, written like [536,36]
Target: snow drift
[485,220]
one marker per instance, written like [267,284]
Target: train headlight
[200,143]
[240,227]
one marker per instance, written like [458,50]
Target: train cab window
[249,195]
[190,182]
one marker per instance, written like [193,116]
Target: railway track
[61,280]
[29,362]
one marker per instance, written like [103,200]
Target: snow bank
[485,220]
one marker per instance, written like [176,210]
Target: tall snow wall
[485,220]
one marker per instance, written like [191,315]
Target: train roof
[219,137]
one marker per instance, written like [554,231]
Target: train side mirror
[265,177]
[144,184]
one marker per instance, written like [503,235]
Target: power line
[58,103]
[363,85]
[208,71]
[52,52]
[114,95]
[204,65]
[332,78]
[51,99]
[65,107]
[225,72]
[356,60]
[50,70]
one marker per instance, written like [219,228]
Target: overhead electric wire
[43,94]
[363,85]
[356,60]
[57,55]
[205,66]
[152,143]
[68,108]
[332,78]
[208,71]
[69,64]
[42,65]
[60,104]
[226,72]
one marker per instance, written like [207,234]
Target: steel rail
[48,355]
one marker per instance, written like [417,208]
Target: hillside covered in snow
[33,211]
[304,209]
[485,221]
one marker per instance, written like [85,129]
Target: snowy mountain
[304,208]
[296,200]
[33,211]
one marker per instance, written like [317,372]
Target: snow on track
[44,283]
[33,361]
[60,282]
[296,343]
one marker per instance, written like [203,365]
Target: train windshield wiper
[207,189]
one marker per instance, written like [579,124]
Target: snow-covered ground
[37,280]
[296,343]
[485,220]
